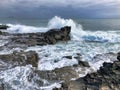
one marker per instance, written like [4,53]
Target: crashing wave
[77,33]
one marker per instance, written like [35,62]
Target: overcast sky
[63,8]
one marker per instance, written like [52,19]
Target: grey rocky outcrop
[106,78]
[59,74]
[18,59]
[118,57]
[30,39]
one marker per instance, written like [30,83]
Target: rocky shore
[23,40]
[106,78]
[31,39]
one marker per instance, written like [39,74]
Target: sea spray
[77,33]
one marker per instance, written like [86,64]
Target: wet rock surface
[30,39]
[107,78]
[1,86]
[59,74]
[118,57]
[18,59]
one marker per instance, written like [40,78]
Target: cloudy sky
[63,8]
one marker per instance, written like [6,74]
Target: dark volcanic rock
[107,78]
[59,74]
[55,35]
[50,37]
[0,32]
[118,57]
[83,63]
[80,62]
[4,26]
[18,59]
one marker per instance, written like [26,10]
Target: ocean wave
[77,33]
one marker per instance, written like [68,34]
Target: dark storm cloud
[64,8]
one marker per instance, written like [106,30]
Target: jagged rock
[80,62]
[4,26]
[55,35]
[118,57]
[107,78]
[78,56]
[83,63]
[59,74]
[30,39]
[0,32]
[18,59]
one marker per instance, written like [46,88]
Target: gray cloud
[65,8]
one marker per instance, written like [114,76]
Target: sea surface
[88,24]
[89,37]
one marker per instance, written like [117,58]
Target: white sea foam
[51,57]
[50,87]
[25,29]
[18,79]
[9,51]
[3,42]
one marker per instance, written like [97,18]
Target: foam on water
[16,78]
[19,78]
[25,29]
[9,51]
[3,42]
[51,56]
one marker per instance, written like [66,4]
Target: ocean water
[89,37]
